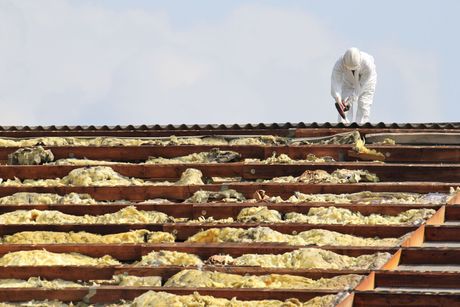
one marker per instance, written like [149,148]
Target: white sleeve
[337,80]
[368,79]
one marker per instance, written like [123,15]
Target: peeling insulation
[103,176]
[209,279]
[45,258]
[321,176]
[152,298]
[159,258]
[127,215]
[319,237]
[51,237]
[310,258]
[30,198]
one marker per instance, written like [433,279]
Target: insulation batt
[321,176]
[36,282]
[136,281]
[213,156]
[333,215]
[163,299]
[227,196]
[362,149]
[367,197]
[258,214]
[311,258]
[303,258]
[83,162]
[43,257]
[30,156]
[119,280]
[127,215]
[285,159]
[341,138]
[103,176]
[159,258]
[50,237]
[152,298]
[317,237]
[209,279]
[45,303]
[28,198]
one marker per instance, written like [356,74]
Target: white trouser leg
[364,107]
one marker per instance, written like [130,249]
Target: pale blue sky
[226,61]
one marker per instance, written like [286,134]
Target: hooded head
[352,59]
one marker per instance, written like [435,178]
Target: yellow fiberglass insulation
[158,258]
[127,215]
[103,176]
[336,177]
[50,237]
[30,198]
[333,215]
[209,279]
[258,214]
[152,298]
[318,237]
[285,159]
[311,258]
[45,258]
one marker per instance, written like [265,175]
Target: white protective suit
[354,76]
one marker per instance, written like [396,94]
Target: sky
[82,62]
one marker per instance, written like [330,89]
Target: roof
[423,269]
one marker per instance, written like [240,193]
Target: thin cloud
[69,63]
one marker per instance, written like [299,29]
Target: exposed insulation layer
[43,257]
[209,279]
[321,176]
[285,159]
[50,237]
[30,198]
[159,258]
[103,176]
[128,215]
[152,298]
[334,215]
[307,258]
[318,237]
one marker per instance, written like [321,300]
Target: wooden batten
[431,255]
[133,252]
[216,210]
[399,153]
[393,262]
[442,233]
[455,199]
[111,294]
[224,210]
[139,193]
[383,299]
[316,132]
[416,238]
[184,231]
[347,301]
[447,281]
[385,172]
[87,273]
[452,213]
[438,218]
[368,283]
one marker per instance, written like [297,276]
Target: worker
[353,85]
